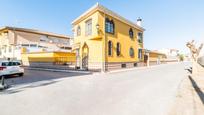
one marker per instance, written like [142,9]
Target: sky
[168,23]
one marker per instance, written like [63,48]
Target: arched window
[78,31]
[112,26]
[109,26]
[118,49]
[131,52]
[88,27]
[110,48]
[140,53]
[131,33]
[140,37]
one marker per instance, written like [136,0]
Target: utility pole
[14,42]
[15,39]
[3,85]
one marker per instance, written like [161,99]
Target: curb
[137,68]
[129,69]
[57,70]
[89,72]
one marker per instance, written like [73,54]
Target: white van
[8,68]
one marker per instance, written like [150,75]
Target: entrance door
[85,57]
[145,58]
[85,62]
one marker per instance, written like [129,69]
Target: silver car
[8,68]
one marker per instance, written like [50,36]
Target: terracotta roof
[157,52]
[35,32]
[98,7]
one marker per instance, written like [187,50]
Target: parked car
[8,68]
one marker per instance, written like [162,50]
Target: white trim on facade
[98,7]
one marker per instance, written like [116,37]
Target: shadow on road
[197,89]
[189,69]
[34,78]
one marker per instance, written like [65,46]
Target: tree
[181,57]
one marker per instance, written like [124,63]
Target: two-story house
[104,40]
[14,41]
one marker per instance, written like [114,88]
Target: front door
[85,62]
[145,58]
[85,57]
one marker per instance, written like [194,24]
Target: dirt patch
[190,97]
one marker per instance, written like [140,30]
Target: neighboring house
[54,59]
[156,57]
[14,41]
[172,54]
[103,40]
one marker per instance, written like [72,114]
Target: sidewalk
[59,70]
[94,72]
[190,97]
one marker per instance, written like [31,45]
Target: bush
[181,57]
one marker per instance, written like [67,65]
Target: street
[140,91]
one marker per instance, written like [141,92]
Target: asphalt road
[149,91]
[33,76]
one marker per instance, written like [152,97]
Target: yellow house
[156,57]
[104,40]
[56,59]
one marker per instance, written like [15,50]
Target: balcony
[98,37]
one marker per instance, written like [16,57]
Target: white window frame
[88,27]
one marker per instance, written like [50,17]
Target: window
[118,49]
[88,28]
[78,31]
[66,48]
[10,49]
[140,53]
[131,33]
[18,63]
[110,46]
[25,45]
[44,39]
[14,63]
[8,64]
[5,64]
[109,26]
[5,49]
[123,65]
[135,64]
[39,46]
[140,37]
[33,45]
[131,52]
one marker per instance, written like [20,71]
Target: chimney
[139,22]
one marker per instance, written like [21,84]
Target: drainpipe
[148,60]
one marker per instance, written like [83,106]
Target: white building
[14,41]
[172,54]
